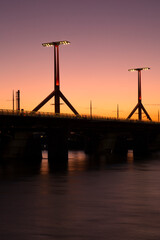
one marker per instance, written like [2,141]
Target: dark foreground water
[89,201]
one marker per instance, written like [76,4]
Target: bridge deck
[70,116]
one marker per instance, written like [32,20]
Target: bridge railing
[69,116]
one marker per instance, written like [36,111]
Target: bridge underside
[21,137]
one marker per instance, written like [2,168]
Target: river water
[87,202]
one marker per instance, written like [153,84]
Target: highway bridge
[23,134]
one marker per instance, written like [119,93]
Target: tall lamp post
[56,93]
[139,105]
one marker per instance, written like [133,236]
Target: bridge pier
[21,146]
[58,147]
[141,144]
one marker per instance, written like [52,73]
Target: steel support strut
[56,80]
[139,105]
[56,93]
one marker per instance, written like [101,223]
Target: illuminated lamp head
[51,44]
[138,69]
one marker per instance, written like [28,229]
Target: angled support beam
[68,103]
[44,102]
[139,106]
[133,111]
[144,110]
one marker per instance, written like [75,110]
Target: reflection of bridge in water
[22,135]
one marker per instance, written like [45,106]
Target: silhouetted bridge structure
[22,135]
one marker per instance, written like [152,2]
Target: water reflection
[111,203]
[130,156]
[77,161]
[44,169]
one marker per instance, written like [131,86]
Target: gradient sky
[107,38]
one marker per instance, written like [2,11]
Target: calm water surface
[88,201]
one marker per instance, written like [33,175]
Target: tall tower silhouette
[139,105]
[56,93]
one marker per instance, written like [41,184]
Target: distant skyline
[107,37]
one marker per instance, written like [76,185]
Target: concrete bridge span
[21,136]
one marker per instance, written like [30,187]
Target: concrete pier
[20,146]
[58,147]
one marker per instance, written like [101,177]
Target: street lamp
[57,93]
[139,105]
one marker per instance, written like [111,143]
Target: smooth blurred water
[88,201]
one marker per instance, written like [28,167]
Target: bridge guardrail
[69,116]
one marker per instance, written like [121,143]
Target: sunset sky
[107,38]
